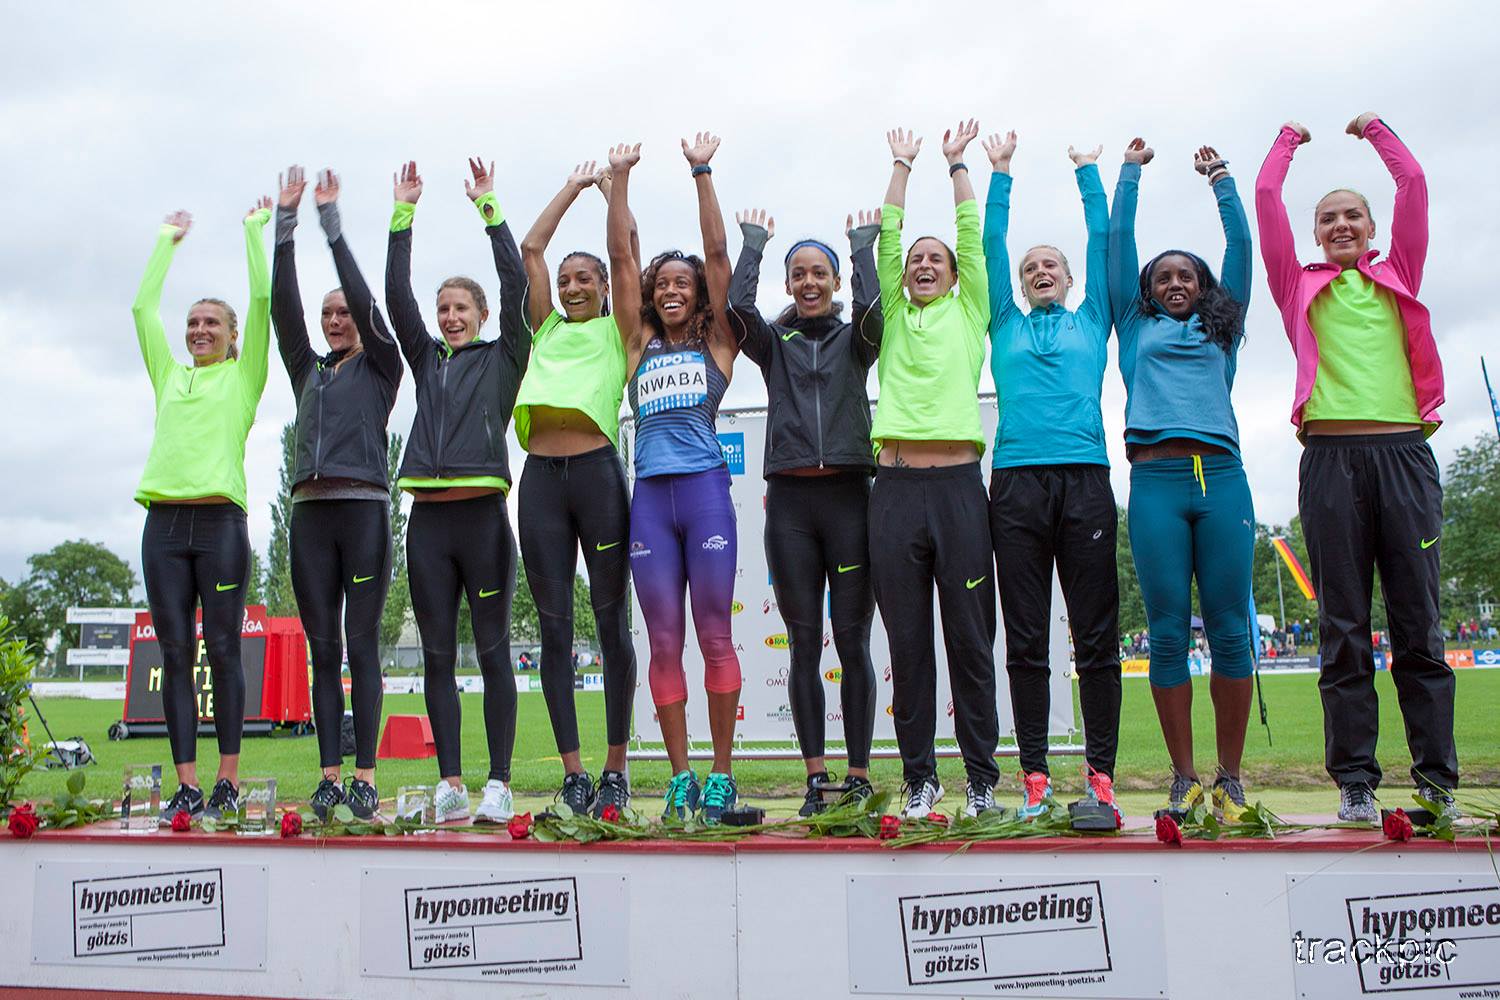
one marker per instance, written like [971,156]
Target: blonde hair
[234,322]
[1365,201]
[1046,246]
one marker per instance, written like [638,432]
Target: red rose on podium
[182,821]
[291,824]
[1397,826]
[519,827]
[23,821]
[890,827]
[611,814]
[1168,832]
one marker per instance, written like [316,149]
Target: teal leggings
[1192,517]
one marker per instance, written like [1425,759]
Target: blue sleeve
[997,261]
[1236,272]
[1124,264]
[1096,219]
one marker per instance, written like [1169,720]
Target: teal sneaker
[682,796]
[719,794]
[1036,792]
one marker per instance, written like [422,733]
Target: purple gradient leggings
[682,538]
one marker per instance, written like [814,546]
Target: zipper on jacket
[818,402]
[318,434]
[442,414]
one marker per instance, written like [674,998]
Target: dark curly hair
[701,323]
[1222,317]
[599,266]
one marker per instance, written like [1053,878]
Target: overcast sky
[115,116]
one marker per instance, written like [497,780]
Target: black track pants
[341,570]
[568,502]
[931,526]
[464,548]
[1039,515]
[816,531]
[1367,502]
[192,554]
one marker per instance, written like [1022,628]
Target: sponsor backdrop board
[175,916]
[1421,936]
[495,927]
[760,634]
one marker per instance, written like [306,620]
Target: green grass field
[1288,775]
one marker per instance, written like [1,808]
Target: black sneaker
[860,789]
[225,801]
[613,790]
[979,796]
[188,799]
[328,795]
[362,799]
[813,802]
[577,792]
[1357,804]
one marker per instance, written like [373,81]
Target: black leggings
[567,502]
[341,569]
[192,554]
[816,530]
[454,548]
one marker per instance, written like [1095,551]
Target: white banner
[760,634]
[1423,936]
[1024,936]
[496,927]
[162,916]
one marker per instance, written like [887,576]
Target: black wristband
[702,168]
[956,167]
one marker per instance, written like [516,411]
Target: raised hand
[484,179]
[1136,151]
[585,174]
[757,217]
[182,221]
[408,183]
[1000,149]
[327,191]
[624,156]
[1083,158]
[904,143]
[702,149]
[1300,129]
[1207,161]
[866,218]
[1357,127]
[262,204]
[957,139]
[291,185]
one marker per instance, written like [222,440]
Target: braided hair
[1223,318]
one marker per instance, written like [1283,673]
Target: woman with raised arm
[929,519]
[1369,382]
[1050,498]
[573,491]
[1190,512]
[459,542]
[341,518]
[682,526]
[817,472]
[195,550]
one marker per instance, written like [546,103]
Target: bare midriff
[926,454]
[452,493]
[815,470]
[194,501]
[1356,427]
[559,433]
[1172,448]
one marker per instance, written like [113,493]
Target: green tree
[73,574]
[256,592]
[398,600]
[525,622]
[1471,527]
[583,613]
[1132,607]
[19,609]
[278,578]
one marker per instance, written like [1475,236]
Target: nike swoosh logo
[845,569]
[1428,543]
[971,584]
[364,579]
[789,336]
[221,587]
[602,548]
[488,593]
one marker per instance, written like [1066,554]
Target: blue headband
[819,244]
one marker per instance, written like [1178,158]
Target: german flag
[1298,573]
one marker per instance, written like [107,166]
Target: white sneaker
[921,797]
[497,806]
[450,804]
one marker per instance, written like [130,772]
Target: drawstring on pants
[1198,473]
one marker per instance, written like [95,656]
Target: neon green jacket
[931,355]
[203,415]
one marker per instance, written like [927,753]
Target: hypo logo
[638,549]
[766,606]
[827,639]
[950,708]
[736,607]
[716,543]
[733,447]
[777,641]
[834,676]
[887,674]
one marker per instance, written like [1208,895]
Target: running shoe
[682,796]
[1101,789]
[224,801]
[1357,803]
[1228,797]
[980,797]
[188,799]
[812,803]
[1183,795]
[328,796]
[1440,797]
[1036,790]
[450,803]
[361,798]
[577,792]
[719,794]
[495,805]
[614,790]
[922,797]
[860,789]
